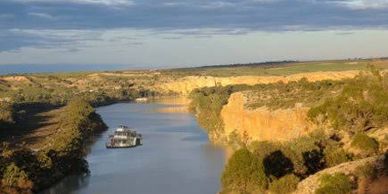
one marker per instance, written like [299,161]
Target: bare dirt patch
[37,125]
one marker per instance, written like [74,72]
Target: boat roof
[122,128]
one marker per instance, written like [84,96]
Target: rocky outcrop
[263,124]
[186,84]
[311,183]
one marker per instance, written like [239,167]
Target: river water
[175,158]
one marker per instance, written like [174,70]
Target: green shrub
[337,183]
[244,172]
[78,120]
[277,164]
[6,113]
[286,184]
[361,106]
[15,177]
[305,154]
[264,148]
[367,171]
[335,155]
[365,143]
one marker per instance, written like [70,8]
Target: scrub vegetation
[208,102]
[353,107]
[334,184]
[281,165]
[350,108]
[23,170]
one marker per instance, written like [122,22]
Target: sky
[181,33]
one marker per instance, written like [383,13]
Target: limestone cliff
[186,84]
[263,124]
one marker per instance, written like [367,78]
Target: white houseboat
[124,137]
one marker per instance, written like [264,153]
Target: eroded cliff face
[263,124]
[187,84]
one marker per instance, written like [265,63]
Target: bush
[367,171]
[302,156]
[361,106]
[277,165]
[63,154]
[15,177]
[365,143]
[284,185]
[335,155]
[6,113]
[264,148]
[337,183]
[244,172]
[305,154]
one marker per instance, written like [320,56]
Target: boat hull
[118,147]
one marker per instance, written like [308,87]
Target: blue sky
[172,33]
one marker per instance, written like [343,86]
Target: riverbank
[55,155]
[176,156]
[287,132]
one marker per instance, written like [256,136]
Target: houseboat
[124,137]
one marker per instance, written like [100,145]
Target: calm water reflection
[175,157]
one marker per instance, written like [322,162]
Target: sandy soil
[38,125]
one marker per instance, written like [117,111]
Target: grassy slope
[278,68]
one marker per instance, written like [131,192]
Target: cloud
[42,15]
[94,2]
[362,4]
[14,39]
[68,40]
[200,18]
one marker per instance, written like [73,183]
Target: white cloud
[363,4]
[95,2]
[41,15]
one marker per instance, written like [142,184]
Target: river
[175,158]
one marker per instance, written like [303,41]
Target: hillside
[299,109]
[293,130]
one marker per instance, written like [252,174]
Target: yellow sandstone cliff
[263,124]
[187,84]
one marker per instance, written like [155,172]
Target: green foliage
[63,153]
[6,113]
[277,165]
[335,155]
[365,143]
[281,68]
[77,122]
[280,95]
[367,171]
[58,89]
[337,183]
[244,172]
[13,176]
[362,105]
[286,184]
[304,154]
[208,103]
[264,148]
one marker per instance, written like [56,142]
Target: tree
[244,172]
[15,177]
